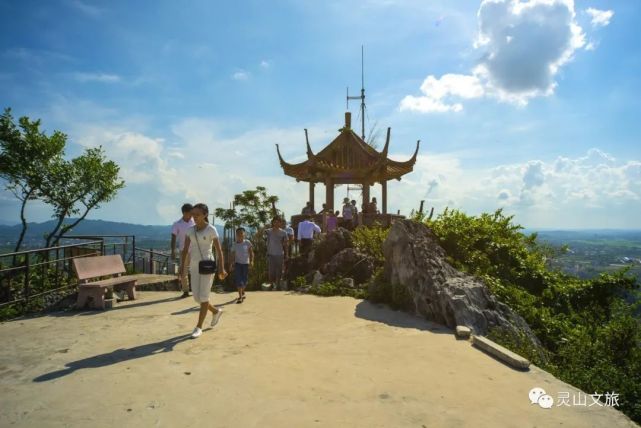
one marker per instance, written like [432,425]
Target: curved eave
[408,163]
[296,170]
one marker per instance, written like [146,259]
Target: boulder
[330,245]
[297,266]
[316,278]
[440,293]
[350,263]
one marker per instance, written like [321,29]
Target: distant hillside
[36,231]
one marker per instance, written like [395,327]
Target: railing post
[133,252]
[57,262]
[26,278]
[151,260]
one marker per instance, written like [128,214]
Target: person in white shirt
[178,230]
[203,237]
[306,231]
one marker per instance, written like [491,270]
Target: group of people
[349,213]
[197,240]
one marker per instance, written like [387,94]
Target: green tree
[587,327]
[78,186]
[34,167]
[26,156]
[253,208]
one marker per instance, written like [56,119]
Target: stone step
[500,352]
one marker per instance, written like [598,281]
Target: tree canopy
[34,167]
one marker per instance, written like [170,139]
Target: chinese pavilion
[348,160]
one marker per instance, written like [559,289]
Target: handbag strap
[198,243]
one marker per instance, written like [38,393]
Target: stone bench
[89,268]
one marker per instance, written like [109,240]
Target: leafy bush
[590,334]
[335,288]
[369,240]
[381,291]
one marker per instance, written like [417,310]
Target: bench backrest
[92,267]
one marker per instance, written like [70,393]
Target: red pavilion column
[329,193]
[384,189]
[311,193]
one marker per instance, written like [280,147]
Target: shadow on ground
[196,308]
[383,314]
[115,357]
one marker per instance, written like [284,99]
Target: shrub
[369,240]
[591,336]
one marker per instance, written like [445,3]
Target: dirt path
[277,360]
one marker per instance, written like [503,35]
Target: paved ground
[277,360]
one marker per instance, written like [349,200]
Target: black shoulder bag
[205,266]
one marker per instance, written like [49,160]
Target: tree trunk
[55,230]
[71,226]
[24,224]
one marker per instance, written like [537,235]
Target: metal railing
[158,262]
[52,266]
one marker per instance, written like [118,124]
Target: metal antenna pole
[362,93]
[362,96]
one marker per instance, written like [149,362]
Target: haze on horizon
[527,106]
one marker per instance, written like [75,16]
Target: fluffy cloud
[523,45]
[600,18]
[594,190]
[436,90]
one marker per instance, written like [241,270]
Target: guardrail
[52,266]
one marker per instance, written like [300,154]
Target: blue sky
[530,106]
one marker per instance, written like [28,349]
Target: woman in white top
[203,237]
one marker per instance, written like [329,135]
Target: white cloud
[600,18]
[264,64]
[435,91]
[87,9]
[97,77]
[241,75]
[523,45]
[594,190]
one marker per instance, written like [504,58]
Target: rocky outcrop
[332,244]
[323,252]
[440,293]
[350,263]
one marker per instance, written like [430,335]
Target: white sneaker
[216,317]
[196,333]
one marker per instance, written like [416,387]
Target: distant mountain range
[36,231]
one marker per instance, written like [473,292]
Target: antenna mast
[362,97]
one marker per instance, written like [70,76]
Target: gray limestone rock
[440,293]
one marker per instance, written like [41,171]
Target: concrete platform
[277,360]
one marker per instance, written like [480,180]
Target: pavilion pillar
[365,196]
[384,191]
[311,193]
[329,193]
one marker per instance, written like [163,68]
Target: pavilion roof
[348,159]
